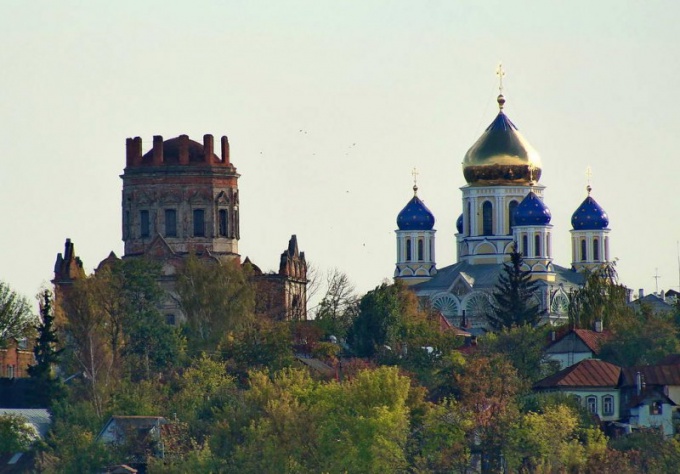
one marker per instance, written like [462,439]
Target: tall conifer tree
[513,302]
[46,354]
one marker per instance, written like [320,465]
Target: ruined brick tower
[180,198]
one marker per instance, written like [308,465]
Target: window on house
[578,400]
[199,223]
[525,245]
[487,218]
[466,222]
[170,223]
[223,222]
[537,245]
[608,405]
[408,250]
[10,371]
[591,404]
[511,215]
[583,250]
[170,319]
[596,249]
[144,224]
[420,250]
[655,408]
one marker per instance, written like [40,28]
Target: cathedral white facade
[502,208]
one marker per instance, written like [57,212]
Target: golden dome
[501,155]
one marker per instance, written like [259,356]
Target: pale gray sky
[328,106]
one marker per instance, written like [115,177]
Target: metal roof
[587,373]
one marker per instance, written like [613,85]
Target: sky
[328,107]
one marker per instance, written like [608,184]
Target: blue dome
[532,211]
[459,224]
[415,216]
[589,216]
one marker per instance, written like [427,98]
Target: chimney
[137,151]
[133,148]
[208,148]
[128,152]
[184,149]
[641,293]
[662,295]
[598,325]
[157,150]
[225,150]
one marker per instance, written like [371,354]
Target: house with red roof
[634,397]
[574,345]
[594,383]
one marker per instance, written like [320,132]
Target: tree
[47,355]
[338,306]
[554,441]
[600,298]
[16,434]
[89,351]
[641,338]
[389,319]
[650,451]
[524,347]
[216,298]
[487,391]
[16,317]
[260,344]
[514,302]
[439,444]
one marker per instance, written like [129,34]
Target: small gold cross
[500,73]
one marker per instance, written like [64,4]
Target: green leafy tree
[301,425]
[16,318]
[524,347]
[554,441]
[439,444]
[600,298]
[16,434]
[641,338]
[389,317]
[199,392]
[73,448]
[47,355]
[216,298]
[88,351]
[259,344]
[514,302]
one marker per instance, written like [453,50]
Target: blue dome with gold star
[532,211]
[415,215]
[589,215]
[459,224]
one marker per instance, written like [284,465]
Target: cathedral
[502,208]
[180,198]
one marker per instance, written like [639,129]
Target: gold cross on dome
[589,175]
[500,73]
